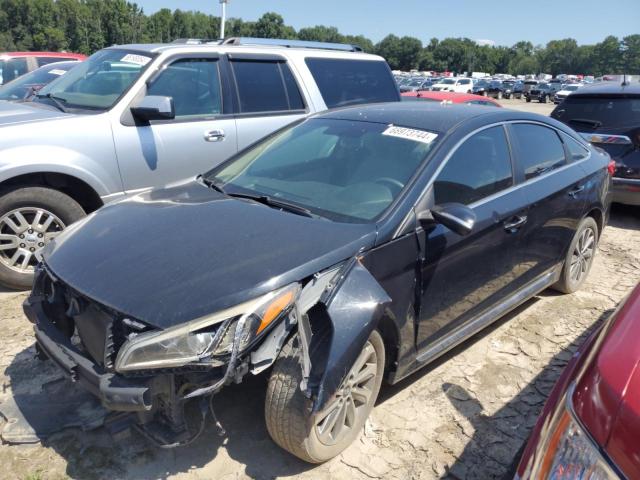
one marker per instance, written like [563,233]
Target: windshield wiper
[593,123]
[211,183]
[57,101]
[276,203]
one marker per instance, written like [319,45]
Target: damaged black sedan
[350,248]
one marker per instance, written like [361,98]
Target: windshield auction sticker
[410,134]
[137,59]
[57,72]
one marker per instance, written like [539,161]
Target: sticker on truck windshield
[410,134]
[57,72]
[137,59]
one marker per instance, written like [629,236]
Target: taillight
[611,167]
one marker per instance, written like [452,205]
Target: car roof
[43,54]
[608,88]
[432,116]
[156,48]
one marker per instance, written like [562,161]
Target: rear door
[462,277]
[202,134]
[266,93]
[554,186]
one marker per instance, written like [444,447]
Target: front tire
[579,259]
[320,436]
[30,217]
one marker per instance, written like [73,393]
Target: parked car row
[237,227]
[16,64]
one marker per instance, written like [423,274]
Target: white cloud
[485,41]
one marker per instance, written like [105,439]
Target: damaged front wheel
[318,436]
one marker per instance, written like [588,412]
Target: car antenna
[624,80]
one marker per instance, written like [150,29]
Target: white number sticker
[410,134]
[137,59]
[57,72]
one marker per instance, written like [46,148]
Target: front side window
[194,85]
[266,86]
[342,170]
[465,82]
[480,167]
[98,82]
[539,149]
[345,82]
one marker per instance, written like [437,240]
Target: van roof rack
[276,42]
[195,41]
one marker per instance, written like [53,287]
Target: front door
[464,276]
[201,135]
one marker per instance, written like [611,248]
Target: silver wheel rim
[24,232]
[351,404]
[582,255]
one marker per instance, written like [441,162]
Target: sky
[500,22]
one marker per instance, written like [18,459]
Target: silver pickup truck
[138,116]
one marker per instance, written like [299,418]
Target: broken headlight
[201,340]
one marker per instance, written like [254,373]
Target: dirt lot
[467,416]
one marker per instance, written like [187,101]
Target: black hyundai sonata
[354,246]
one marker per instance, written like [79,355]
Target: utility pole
[224,17]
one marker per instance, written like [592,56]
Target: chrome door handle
[573,193]
[514,224]
[214,135]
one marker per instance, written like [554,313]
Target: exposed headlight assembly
[201,340]
[570,452]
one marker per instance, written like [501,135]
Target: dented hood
[173,255]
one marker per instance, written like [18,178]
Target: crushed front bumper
[114,391]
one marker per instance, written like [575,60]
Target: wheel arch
[70,185]
[598,215]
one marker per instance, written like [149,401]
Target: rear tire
[579,258]
[528,99]
[290,421]
[29,218]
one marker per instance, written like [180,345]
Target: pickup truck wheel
[318,437]
[30,217]
[579,259]
[528,99]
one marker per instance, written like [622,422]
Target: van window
[266,86]
[194,85]
[350,82]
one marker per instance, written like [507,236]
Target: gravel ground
[466,416]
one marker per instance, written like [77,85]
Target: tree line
[86,26]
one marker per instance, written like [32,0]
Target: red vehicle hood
[607,397]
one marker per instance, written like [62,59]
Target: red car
[452,97]
[590,426]
[16,64]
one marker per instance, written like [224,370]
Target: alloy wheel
[582,255]
[23,233]
[352,400]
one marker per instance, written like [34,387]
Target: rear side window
[480,167]
[586,113]
[194,85]
[539,149]
[576,151]
[12,69]
[350,82]
[266,86]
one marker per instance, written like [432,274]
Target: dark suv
[351,247]
[541,92]
[608,115]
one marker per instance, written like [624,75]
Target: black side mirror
[455,216]
[154,107]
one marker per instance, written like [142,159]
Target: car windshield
[98,82]
[27,84]
[345,171]
[482,83]
[571,88]
[596,111]
[448,81]
[416,83]
[543,86]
